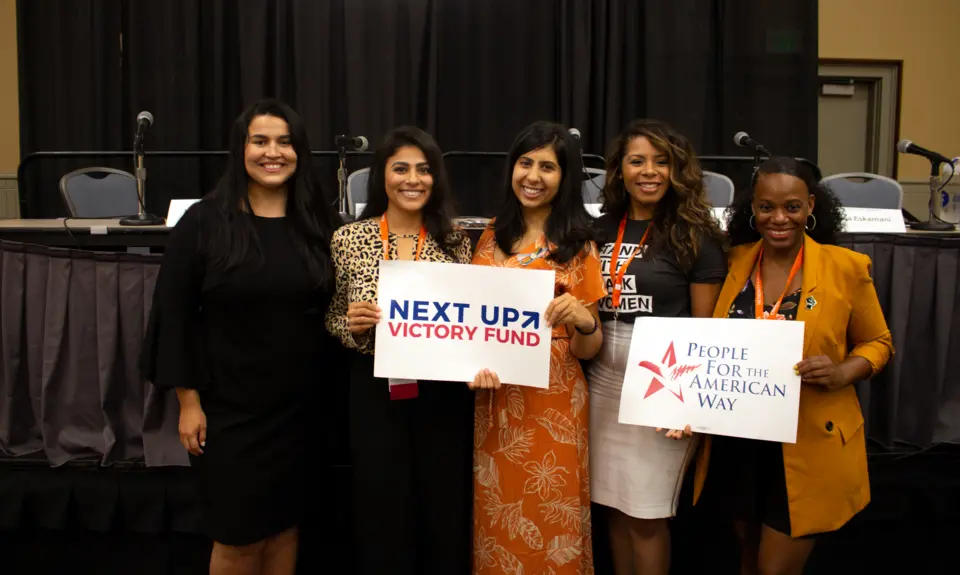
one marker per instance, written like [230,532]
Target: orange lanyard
[758,284]
[385,234]
[617,272]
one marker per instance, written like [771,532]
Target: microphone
[908,147]
[575,133]
[144,121]
[934,223]
[143,218]
[744,140]
[356,143]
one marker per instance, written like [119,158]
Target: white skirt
[633,469]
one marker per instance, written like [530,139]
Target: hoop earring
[809,227]
[751,222]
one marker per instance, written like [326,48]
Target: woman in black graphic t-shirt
[661,255]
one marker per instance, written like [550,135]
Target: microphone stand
[933,223]
[142,218]
[342,184]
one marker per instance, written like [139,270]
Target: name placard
[177,209]
[719,376]
[873,220]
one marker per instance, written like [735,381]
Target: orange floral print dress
[531,510]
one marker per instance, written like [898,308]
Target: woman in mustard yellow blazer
[783,267]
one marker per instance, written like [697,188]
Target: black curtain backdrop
[471,73]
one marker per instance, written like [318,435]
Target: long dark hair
[311,221]
[438,212]
[826,207]
[683,216]
[569,226]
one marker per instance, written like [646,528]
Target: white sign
[720,376]
[874,220]
[446,322]
[177,209]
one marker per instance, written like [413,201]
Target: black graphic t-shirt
[655,284]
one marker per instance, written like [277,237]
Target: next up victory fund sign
[720,376]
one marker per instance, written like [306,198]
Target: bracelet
[595,326]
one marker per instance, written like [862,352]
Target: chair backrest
[872,191]
[357,184]
[100,193]
[719,188]
[594,180]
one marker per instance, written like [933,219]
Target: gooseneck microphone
[144,121]
[933,223]
[908,147]
[352,143]
[744,140]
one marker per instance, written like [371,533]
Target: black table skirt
[71,324]
[916,399]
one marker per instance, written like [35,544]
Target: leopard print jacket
[357,251]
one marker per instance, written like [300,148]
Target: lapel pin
[811,302]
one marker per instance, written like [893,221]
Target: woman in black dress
[411,444]
[237,330]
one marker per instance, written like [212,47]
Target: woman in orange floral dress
[531,470]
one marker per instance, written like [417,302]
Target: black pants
[412,473]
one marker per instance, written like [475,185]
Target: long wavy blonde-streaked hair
[683,217]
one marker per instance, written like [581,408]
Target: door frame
[887,76]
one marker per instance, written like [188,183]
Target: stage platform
[81,519]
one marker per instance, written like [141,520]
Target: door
[857,131]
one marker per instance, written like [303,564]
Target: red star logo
[667,365]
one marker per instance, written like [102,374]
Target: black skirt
[748,482]
[412,482]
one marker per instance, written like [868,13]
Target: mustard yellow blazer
[826,469]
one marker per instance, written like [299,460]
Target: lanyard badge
[401,388]
[617,272]
[758,312]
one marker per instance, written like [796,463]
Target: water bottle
[948,206]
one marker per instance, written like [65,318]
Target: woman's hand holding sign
[676,433]
[820,370]
[361,316]
[485,379]
[586,338]
[567,310]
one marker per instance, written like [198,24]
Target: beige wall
[9,100]
[925,35]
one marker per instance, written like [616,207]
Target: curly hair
[826,208]
[683,215]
